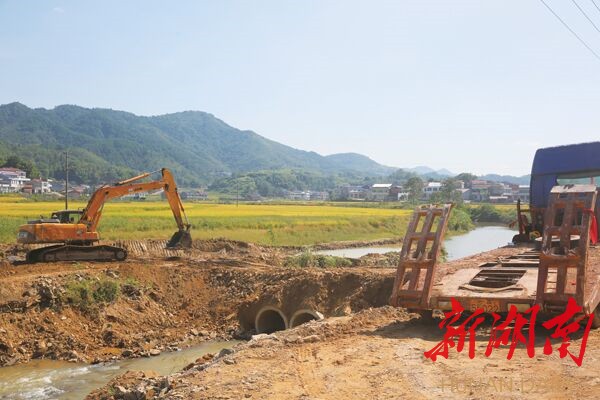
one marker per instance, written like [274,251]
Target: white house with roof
[430,189]
[12,180]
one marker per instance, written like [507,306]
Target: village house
[430,189]
[41,186]
[523,193]
[298,195]
[480,190]
[380,192]
[194,195]
[353,192]
[319,196]
[12,180]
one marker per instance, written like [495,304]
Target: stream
[50,379]
[482,238]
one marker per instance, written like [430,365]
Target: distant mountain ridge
[105,144]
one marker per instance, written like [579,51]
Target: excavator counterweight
[77,241]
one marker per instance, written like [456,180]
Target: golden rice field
[263,223]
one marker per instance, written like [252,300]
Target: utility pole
[237,194]
[66,180]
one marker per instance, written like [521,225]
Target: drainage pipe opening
[269,320]
[302,316]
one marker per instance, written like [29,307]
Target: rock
[154,352]
[127,353]
[225,352]
[111,273]
[229,361]
[204,333]
[311,339]
[131,291]
[150,374]
[261,336]
[292,339]
[194,332]
[120,391]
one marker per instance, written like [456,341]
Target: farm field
[265,224]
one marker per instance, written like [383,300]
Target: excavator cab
[67,216]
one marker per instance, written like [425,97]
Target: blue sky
[465,85]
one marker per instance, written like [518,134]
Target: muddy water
[482,238]
[49,379]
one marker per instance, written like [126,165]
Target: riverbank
[97,311]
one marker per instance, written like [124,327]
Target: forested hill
[105,145]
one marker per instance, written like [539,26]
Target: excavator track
[69,252]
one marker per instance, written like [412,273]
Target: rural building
[353,192]
[523,193]
[319,196]
[197,195]
[40,186]
[380,192]
[465,194]
[298,195]
[12,180]
[480,190]
[430,189]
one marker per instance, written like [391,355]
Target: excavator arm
[93,211]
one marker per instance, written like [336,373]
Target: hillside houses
[12,180]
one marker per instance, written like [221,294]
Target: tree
[466,177]
[25,165]
[414,186]
[400,176]
[448,192]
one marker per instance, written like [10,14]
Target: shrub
[91,292]
[308,259]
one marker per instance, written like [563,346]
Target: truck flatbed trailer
[496,279]
[562,265]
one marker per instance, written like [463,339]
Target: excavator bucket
[182,239]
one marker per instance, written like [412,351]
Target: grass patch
[90,292]
[309,259]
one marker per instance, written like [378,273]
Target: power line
[571,30]
[595,5]
[585,15]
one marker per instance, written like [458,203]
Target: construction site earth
[326,332]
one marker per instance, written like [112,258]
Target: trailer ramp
[565,243]
[420,251]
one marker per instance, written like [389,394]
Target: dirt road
[374,354]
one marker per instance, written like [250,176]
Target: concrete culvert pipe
[302,316]
[270,319]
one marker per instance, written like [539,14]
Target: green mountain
[105,145]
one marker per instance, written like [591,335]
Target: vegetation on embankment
[280,224]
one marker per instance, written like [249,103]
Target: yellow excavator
[78,239]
